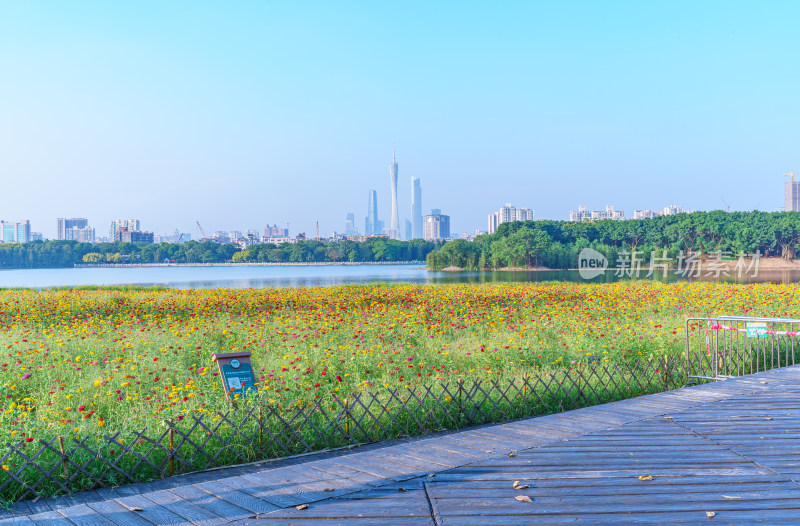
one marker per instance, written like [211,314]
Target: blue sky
[239,114]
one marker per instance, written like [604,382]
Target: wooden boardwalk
[731,449]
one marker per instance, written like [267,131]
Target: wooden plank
[51,518]
[349,521]
[191,512]
[151,511]
[264,486]
[214,504]
[236,497]
[346,472]
[83,515]
[118,514]
[17,521]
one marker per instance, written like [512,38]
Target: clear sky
[239,114]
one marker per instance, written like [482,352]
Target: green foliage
[556,244]
[54,254]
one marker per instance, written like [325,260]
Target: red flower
[29,439]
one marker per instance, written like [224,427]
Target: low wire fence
[256,431]
[728,346]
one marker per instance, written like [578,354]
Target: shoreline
[266,264]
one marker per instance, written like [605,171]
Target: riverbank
[231,264]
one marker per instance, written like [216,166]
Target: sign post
[236,373]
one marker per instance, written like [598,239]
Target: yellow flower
[5,468]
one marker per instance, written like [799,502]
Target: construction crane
[202,232]
[727,206]
[792,174]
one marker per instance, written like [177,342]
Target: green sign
[756,329]
[236,374]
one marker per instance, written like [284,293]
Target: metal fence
[60,465]
[728,346]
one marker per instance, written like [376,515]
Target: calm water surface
[303,276]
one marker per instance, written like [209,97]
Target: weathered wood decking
[731,448]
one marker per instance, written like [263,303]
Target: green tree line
[59,254]
[556,244]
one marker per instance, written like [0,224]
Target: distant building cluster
[670,210]
[582,214]
[508,214]
[413,227]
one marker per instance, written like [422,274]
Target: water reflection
[311,276]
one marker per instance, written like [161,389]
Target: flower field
[77,362]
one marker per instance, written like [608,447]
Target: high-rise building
[15,232]
[394,226]
[63,224]
[436,226]
[416,209]
[792,194]
[132,225]
[409,231]
[372,225]
[350,225]
[508,214]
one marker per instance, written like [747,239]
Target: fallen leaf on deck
[730,497]
[523,498]
[710,514]
[329,489]
[645,477]
[521,486]
[402,489]
[768,418]
[431,475]
[668,418]
[302,507]
[133,508]
[512,455]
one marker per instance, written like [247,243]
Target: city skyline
[167,119]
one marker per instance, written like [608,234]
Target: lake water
[306,276]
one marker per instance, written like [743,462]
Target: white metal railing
[726,346]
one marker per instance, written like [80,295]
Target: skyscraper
[371,224]
[437,226]
[350,225]
[394,226]
[792,195]
[416,209]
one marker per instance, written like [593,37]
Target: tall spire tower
[394,228]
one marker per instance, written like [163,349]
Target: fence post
[460,398]
[171,449]
[63,457]
[525,385]
[260,427]
[347,420]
